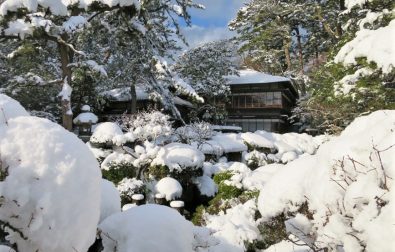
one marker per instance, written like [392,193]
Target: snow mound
[177,156]
[257,140]
[106,132]
[169,187]
[147,228]
[10,108]
[230,142]
[110,199]
[347,186]
[47,166]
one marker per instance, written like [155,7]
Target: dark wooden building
[260,101]
[118,102]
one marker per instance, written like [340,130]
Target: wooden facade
[261,106]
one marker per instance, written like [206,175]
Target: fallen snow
[346,184]
[147,228]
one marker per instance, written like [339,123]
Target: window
[257,100]
[277,98]
[269,98]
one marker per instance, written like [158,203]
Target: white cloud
[196,35]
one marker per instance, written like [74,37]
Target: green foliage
[118,172]
[159,171]
[197,217]
[272,231]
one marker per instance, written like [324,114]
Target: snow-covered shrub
[197,132]
[117,166]
[147,228]
[257,142]
[255,159]
[127,187]
[178,160]
[346,190]
[147,125]
[43,169]
[110,202]
[106,135]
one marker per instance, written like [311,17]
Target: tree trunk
[300,49]
[133,95]
[65,59]
[286,46]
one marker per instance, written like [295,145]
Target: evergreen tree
[58,25]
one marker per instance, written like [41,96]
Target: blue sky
[211,24]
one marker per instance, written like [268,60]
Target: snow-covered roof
[123,94]
[249,76]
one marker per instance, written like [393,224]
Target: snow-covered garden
[166,172]
[288,192]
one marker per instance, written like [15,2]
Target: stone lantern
[85,120]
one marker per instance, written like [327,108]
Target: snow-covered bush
[127,187]
[342,197]
[255,159]
[196,132]
[147,125]
[106,134]
[147,228]
[181,161]
[43,168]
[117,166]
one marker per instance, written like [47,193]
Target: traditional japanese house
[118,102]
[260,101]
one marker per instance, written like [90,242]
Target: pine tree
[58,26]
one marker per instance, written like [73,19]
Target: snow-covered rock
[147,228]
